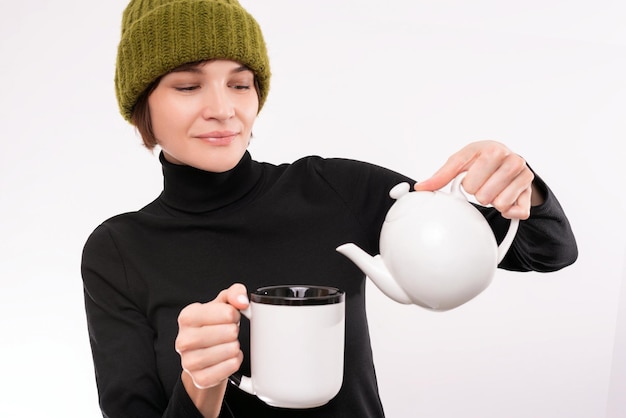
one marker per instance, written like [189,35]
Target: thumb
[236,295]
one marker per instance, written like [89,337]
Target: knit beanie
[160,35]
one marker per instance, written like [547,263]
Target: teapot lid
[406,201]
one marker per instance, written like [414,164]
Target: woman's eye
[187,88]
[241,86]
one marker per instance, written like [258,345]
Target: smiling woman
[202,115]
[140,116]
[164,285]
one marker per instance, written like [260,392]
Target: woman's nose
[217,105]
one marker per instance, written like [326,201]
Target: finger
[493,167]
[520,209]
[215,312]
[193,338]
[454,165]
[237,296]
[203,314]
[215,374]
[492,178]
[514,191]
[195,360]
[444,175]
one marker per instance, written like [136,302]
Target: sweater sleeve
[122,339]
[364,189]
[544,242]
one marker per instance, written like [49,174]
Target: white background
[398,83]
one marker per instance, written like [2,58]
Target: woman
[164,285]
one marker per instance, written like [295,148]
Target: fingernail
[242,299]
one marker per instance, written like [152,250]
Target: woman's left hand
[495,176]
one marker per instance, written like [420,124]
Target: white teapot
[436,249]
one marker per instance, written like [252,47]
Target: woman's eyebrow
[240,69]
[188,69]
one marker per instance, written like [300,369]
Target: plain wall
[399,83]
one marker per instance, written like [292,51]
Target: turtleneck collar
[189,189]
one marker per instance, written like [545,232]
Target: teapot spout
[375,269]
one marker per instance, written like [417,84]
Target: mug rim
[260,295]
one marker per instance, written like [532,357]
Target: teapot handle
[504,246]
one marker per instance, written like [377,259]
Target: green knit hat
[160,35]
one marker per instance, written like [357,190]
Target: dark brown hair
[141,118]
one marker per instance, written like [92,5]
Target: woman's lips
[218,138]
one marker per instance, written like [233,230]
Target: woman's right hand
[208,345]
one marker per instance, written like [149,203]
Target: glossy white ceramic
[436,249]
[296,353]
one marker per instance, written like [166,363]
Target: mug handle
[238,379]
[504,246]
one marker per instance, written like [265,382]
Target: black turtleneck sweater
[258,224]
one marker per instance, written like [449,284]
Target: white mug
[296,345]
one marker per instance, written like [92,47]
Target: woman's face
[202,115]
